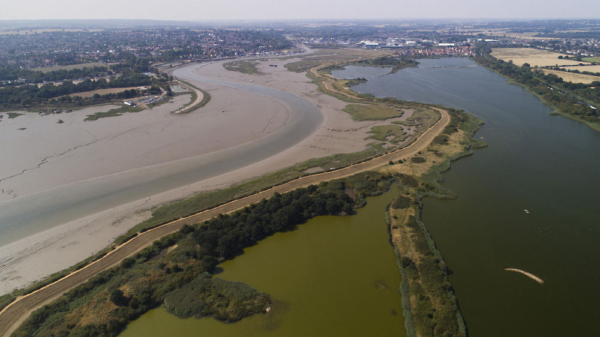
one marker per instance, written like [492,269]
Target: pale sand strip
[530,275]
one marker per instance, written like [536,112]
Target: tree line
[565,96]
[36,76]
[29,94]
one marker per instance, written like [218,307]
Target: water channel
[545,164]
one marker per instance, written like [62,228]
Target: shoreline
[555,111]
[37,298]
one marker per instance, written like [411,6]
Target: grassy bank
[363,112]
[429,304]
[187,108]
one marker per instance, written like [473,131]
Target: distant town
[61,62]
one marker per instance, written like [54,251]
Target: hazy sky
[297,9]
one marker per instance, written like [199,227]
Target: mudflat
[76,186]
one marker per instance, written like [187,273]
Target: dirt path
[328,80]
[16,313]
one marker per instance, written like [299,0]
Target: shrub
[117,297]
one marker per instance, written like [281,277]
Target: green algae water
[333,276]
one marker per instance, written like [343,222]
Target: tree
[117,297]
[209,263]
[347,209]
[26,101]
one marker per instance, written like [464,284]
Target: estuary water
[547,165]
[333,276]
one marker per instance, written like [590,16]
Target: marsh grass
[113,112]
[244,67]
[365,112]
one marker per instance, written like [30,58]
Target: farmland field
[592,59]
[101,92]
[534,57]
[573,77]
[591,69]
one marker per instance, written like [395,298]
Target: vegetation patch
[355,81]
[244,67]
[396,63]
[5,300]
[429,304]
[187,108]
[226,301]
[12,115]
[363,112]
[418,160]
[392,133]
[401,202]
[338,56]
[113,112]
[91,65]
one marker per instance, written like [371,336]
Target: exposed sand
[535,57]
[135,145]
[530,275]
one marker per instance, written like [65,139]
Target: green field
[244,67]
[366,112]
[591,59]
[393,133]
[70,67]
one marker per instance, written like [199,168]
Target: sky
[203,10]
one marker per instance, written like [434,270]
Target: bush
[225,300]
[117,297]
[409,181]
[417,160]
